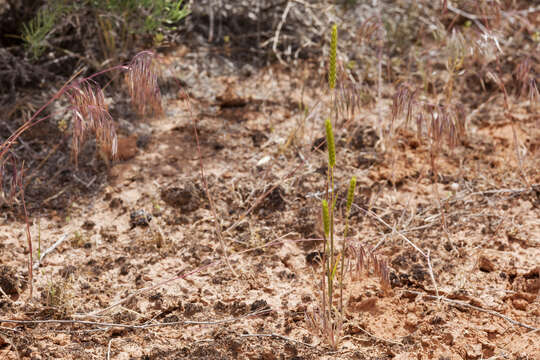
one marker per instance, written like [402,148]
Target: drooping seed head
[404,100]
[90,114]
[142,84]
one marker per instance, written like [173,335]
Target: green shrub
[119,23]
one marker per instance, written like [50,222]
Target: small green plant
[77,240]
[333,258]
[158,12]
[59,295]
[36,31]
[337,257]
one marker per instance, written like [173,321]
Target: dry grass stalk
[19,180]
[437,123]
[350,96]
[11,185]
[89,114]
[368,28]
[526,81]
[362,262]
[526,86]
[217,220]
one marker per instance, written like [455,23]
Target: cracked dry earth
[142,253]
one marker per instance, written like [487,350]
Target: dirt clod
[191,309]
[115,203]
[258,138]
[139,218]
[109,233]
[88,225]
[186,198]
[364,138]
[259,305]
[67,271]
[9,281]
[127,147]
[275,201]
[485,264]
[419,273]
[319,144]
[314,257]
[520,304]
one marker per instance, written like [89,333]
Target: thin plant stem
[332,255]
[28,237]
[4,147]
[350,198]
[217,221]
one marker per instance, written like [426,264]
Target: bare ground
[140,272]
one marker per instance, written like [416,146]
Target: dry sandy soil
[140,272]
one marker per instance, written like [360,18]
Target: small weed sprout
[328,319]
[59,295]
[38,29]
[118,23]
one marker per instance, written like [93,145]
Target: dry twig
[134,326]
[217,221]
[49,250]
[394,230]
[277,336]
[466,305]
